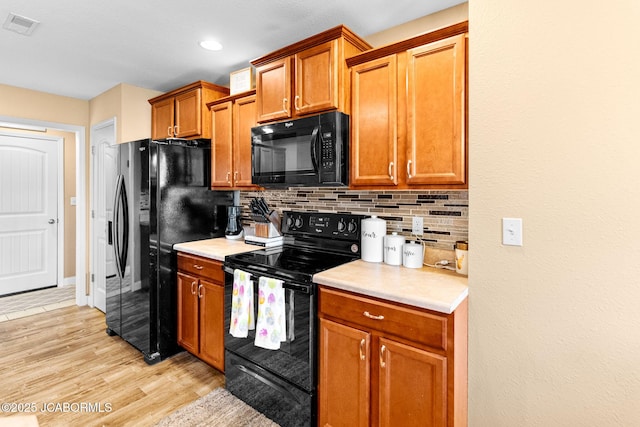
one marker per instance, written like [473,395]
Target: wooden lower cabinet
[201,308]
[373,374]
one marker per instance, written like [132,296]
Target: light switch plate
[512,231]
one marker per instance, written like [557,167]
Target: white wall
[554,325]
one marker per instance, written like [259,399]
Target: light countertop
[215,248]
[434,289]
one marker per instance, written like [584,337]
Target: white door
[28,213]
[104,174]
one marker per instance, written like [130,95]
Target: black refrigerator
[162,196]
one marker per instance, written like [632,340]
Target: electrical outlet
[418,226]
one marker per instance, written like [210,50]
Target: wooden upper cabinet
[188,114]
[436,113]
[231,121]
[183,112]
[374,145]
[420,111]
[162,118]
[221,144]
[316,73]
[307,77]
[244,118]
[273,83]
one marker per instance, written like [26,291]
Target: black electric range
[282,383]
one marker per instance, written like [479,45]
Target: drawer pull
[193,291]
[199,291]
[362,343]
[390,172]
[383,350]
[373,316]
[197,267]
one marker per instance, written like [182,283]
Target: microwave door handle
[314,142]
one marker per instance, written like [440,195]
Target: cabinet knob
[409,169]
[391,171]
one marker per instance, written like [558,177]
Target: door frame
[60,195]
[81,205]
[92,202]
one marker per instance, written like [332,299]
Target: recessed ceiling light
[210,45]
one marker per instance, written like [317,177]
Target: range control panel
[322,224]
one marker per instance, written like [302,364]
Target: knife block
[268,229]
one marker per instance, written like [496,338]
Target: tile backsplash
[445,213]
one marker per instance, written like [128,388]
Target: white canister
[393,249]
[373,231]
[412,255]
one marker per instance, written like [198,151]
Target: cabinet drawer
[414,325]
[202,267]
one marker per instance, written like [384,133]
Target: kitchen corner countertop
[215,248]
[434,289]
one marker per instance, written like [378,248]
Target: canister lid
[462,245]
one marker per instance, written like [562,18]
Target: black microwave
[311,152]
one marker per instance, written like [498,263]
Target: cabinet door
[412,386]
[435,113]
[344,375]
[374,130]
[188,312]
[273,90]
[211,297]
[316,71]
[244,118]
[162,113]
[189,114]
[222,145]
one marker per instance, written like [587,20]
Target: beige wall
[554,324]
[128,104]
[33,105]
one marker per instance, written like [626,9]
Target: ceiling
[82,48]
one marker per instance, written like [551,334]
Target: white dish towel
[242,319]
[271,326]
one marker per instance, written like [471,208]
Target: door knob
[52,221]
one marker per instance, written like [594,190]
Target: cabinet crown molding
[403,45]
[337,32]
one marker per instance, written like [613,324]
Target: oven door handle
[297,287]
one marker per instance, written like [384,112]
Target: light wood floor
[65,357]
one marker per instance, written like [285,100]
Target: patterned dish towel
[242,319]
[271,327]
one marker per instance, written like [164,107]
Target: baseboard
[68,281]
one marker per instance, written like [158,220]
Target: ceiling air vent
[20,24]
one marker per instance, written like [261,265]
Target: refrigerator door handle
[116,225]
[124,250]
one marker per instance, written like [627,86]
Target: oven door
[295,360]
